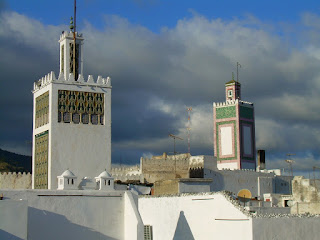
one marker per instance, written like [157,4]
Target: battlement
[14,180]
[125,170]
[15,173]
[69,35]
[51,78]
[232,103]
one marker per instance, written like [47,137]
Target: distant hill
[12,162]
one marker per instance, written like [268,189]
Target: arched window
[109,182]
[72,181]
[105,182]
[68,181]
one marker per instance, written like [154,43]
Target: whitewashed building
[71,120]
[217,216]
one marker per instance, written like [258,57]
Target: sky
[165,56]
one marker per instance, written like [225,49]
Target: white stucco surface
[194,216]
[227,165]
[133,225]
[13,219]
[85,149]
[226,140]
[67,214]
[294,228]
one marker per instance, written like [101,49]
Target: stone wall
[12,180]
[127,174]
[165,167]
[305,195]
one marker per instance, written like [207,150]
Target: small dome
[67,173]
[104,174]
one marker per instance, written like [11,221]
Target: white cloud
[160,74]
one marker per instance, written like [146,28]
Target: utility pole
[189,109]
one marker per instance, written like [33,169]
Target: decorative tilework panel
[62,58]
[246,112]
[76,59]
[80,107]
[42,110]
[41,161]
[235,139]
[225,112]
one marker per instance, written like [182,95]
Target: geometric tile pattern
[80,107]
[42,110]
[41,161]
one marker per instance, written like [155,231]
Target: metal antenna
[189,109]
[174,142]
[290,162]
[174,151]
[74,41]
[314,176]
[238,65]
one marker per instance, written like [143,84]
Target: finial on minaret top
[71,58]
[71,24]
[233,88]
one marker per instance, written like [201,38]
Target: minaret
[234,130]
[71,120]
[233,90]
[67,53]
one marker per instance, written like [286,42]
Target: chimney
[261,159]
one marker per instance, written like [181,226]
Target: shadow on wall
[183,231]
[6,235]
[217,183]
[48,225]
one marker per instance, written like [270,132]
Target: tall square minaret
[71,120]
[234,130]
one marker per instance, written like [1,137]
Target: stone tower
[71,120]
[234,130]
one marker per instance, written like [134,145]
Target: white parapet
[51,78]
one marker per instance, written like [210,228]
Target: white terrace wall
[13,220]
[257,182]
[293,228]
[12,180]
[235,180]
[76,214]
[194,216]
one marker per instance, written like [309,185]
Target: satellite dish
[244,195]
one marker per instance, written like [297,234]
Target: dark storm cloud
[156,76]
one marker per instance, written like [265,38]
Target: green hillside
[12,162]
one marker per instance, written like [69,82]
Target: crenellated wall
[231,102]
[50,77]
[13,180]
[126,174]
[173,166]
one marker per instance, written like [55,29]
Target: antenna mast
[189,109]
[74,41]
[238,65]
